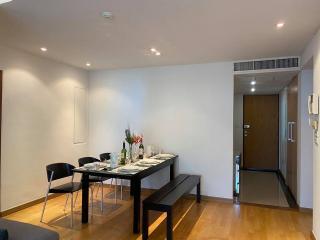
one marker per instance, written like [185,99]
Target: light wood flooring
[209,220]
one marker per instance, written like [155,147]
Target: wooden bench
[163,200]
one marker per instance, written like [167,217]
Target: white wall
[305,141]
[283,132]
[186,110]
[238,124]
[313,51]
[37,123]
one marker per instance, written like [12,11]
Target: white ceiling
[185,31]
[266,83]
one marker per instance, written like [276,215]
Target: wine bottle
[141,150]
[123,154]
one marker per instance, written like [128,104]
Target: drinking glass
[114,160]
[149,151]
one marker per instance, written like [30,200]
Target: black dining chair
[58,171]
[93,179]
[104,157]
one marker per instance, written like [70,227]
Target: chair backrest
[105,156]
[85,160]
[59,170]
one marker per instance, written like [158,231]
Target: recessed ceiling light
[280,25]
[253,89]
[43,49]
[88,64]
[155,51]
[253,83]
[5,1]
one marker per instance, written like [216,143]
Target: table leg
[169,225]
[198,192]
[131,187]
[145,223]
[172,173]
[136,205]
[85,198]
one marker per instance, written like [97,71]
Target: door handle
[292,139]
[289,132]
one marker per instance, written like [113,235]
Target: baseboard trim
[27,205]
[217,199]
[312,236]
[258,170]
[287,192]
[305,210]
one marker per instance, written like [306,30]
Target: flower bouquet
[131,139]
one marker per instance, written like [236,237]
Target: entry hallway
[261,188]
[212,219]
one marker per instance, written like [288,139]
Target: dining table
[134,172]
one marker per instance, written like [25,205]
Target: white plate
[128,169]
[164,155]
[150,161]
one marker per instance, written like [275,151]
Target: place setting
[95,166]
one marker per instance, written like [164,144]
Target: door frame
[292,161]
[1,87]
[243,138]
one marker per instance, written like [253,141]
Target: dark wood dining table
[135,185]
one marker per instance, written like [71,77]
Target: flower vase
[130,153]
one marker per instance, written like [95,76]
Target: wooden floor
[208,220]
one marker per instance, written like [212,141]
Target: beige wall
[312,51]
[37,123]
[305,141]
[187,110]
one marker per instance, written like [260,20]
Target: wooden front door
[261,132]
[292,151]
